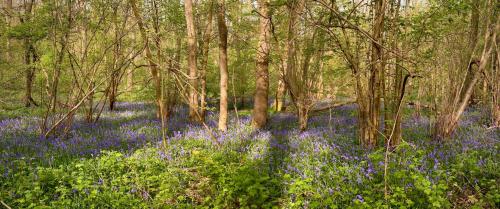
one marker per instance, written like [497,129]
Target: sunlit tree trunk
[221,22]
[374,85]
[392,107]
[259,117]
[8,21]
[280,94]
[152,64]
[193,71]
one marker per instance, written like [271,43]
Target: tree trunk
[222,66]
[303,117]
[374,86]
[8,21]
[115,77]
[30,59]
[280,94]
[495,86]
[204,62]
[394,93]
[448,121]
[60,58]
[90,103]
[30,56]
[153,66]
[193,71]
[259,118]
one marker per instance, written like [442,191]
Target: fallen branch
[7,206]
[313,110]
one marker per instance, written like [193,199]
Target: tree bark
[30,56]
[375,85]
[495,103]
[392,101]
[280,94]
[8,21]
[204,62]
[222,66]
[116,56]
[259,117]
[153,66]
[60,58]
[193,71]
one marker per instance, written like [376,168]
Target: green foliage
[191,173]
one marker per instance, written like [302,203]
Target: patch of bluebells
[322,166]
[129,127]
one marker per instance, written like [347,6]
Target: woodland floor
[121,162]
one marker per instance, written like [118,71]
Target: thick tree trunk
[193,71]
[259,118]
[222,66]
[204,62]
[303,118]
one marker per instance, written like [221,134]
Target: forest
[249,104]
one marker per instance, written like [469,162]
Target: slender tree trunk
[259,118]
[193,71]
[130,71]
[114,70]
[280,94]
[204,62]
[29,54]
[90,102]
[152,64]
[495,103]
[392,101]
[448,121]
[8,20]
[221,22]
[374,86]
[60,58]
[30,59]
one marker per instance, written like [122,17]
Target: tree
[193,71]
[447,120]
[204,61]
[30,54]
[259,115]
[302,67]
[221,22]
[153,65]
